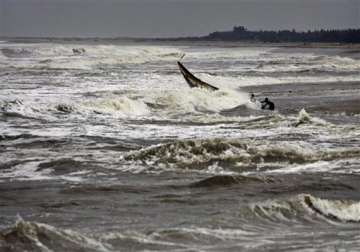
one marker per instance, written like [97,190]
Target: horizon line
[166,37]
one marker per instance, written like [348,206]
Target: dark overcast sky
[159,18]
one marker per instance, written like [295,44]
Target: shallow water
[108,149]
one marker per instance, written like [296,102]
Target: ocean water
[104,147]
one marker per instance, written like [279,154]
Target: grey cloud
[155,18]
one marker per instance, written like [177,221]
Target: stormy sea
[104,147]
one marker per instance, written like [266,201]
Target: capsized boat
[193,81]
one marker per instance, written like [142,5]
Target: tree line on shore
[240,33]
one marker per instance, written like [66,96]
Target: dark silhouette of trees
[240,33]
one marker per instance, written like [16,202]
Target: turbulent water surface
[104,147]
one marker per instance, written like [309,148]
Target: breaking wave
[123,107]
[196,105]
[235,153]
[86,57]
[19,108]
[271,68]
[304,205]
[196,99]
[172,104]
[16,52]
[340,210]
[33,236]
[305,118]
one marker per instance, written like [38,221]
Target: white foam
[234,53]
[216,169]
[122,106]
[304,117]
[304,206]
[196,99]
[26,109]
[26,171]
[341,209]
[57,56]
[218,233]
[320,166]
[34,231]
[136,236]
[344,166]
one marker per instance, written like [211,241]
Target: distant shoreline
[238,36]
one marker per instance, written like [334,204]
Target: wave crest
[196,99]
[122,106]
[339,210]
[16,52]
[236,152]
[33,236]
[305,205]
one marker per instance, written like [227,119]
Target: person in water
[252,98]
[267,104]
